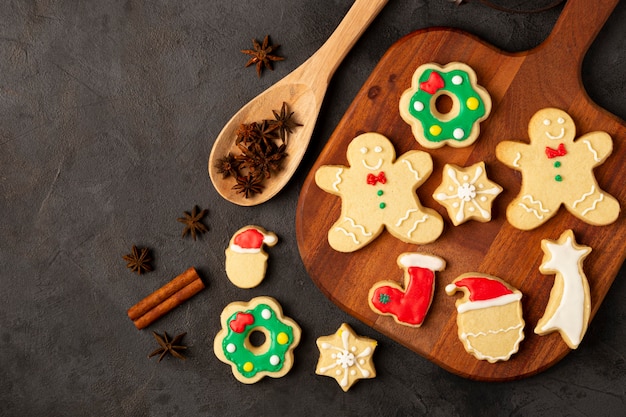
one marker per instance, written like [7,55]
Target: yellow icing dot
[435,130]
[248,366]
[472,103]
[282,338]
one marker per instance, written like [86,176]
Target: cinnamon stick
[171,295]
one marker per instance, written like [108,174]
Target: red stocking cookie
[408,305]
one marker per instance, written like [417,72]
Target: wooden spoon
[303,90]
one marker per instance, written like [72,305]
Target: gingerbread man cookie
[377,191]
[556,169]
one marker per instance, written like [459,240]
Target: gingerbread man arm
[330,177]
[510,153]
[599,144]
[419,163]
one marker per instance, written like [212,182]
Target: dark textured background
[108,111]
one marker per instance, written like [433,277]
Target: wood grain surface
[520,84]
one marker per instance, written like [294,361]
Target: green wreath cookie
[249,362]
[432,125]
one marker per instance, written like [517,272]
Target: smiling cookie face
[370,152]
[551,125]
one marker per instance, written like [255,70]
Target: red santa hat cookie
[246,261]
[489,319]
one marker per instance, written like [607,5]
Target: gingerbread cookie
[408,304]
[556,169]
[467,193]
[250,362]
[377,191]
[346,357]
[246,261]
[434,126]
[569,305]
[489,320]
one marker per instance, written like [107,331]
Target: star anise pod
[246,133]
[284,122]
[262,55]
[275,158]
[166,346]
[266,132]
[227,166]
[138,262]
[192,222]
[249,185]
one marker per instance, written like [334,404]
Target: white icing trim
[434,263]
[239,249]
[406,216]
[492,359]
[516,160]
[408,164]
[357,226]
[349,234]
[338,181]
[531,210]
[584,196]
[417,222]
[533,201]
[494,302]
[593,151]
[595,203]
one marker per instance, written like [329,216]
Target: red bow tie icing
[373,179]
[434,83]
[553,153]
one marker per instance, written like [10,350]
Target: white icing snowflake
[467,193]
[346,357]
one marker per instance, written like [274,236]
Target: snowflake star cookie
[377,191]
[569,305]
[467,193]
[557,169]
[431,124]
[346,357]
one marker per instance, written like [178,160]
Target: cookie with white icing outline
[569,306]
[246,261]
[557,169]
[489,316]
[346,356]
[378,191]
[467,193]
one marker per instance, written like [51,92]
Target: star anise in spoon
[227,166]
[262,55]
[249,185]
[168,346]
[192,222]
[138,262]
[284,122]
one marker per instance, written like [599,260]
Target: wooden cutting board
[519,84]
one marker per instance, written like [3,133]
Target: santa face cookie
[246,261]
[569,306]
[557,169]
[433,126]
[489,319]
[377,191]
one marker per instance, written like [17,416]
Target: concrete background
[108,111]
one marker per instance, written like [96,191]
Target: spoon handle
[322,65]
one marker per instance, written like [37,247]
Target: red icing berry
[241,320]
[434,83]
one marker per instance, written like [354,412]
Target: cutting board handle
[577,27]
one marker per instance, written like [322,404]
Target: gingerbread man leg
[528,211]
[594,206]
[349,235]
[416,224]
